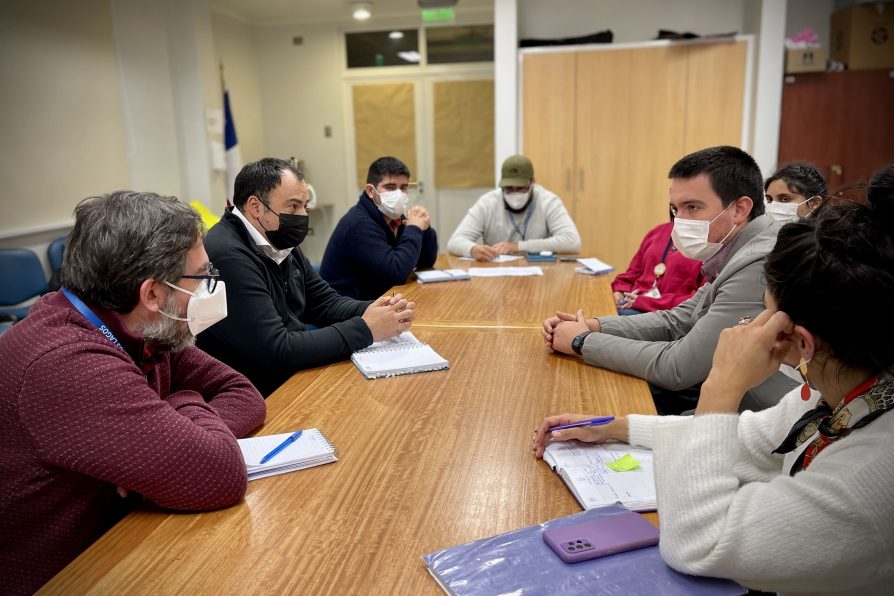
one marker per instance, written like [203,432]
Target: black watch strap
[577,344]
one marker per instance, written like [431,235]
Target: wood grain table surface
[427,461]
[508,301]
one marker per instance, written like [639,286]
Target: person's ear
[368,189]
[152,295]
[742,209]
[805,341]
[254,206]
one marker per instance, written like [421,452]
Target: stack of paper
[504,271]
[311,449]
[593,266]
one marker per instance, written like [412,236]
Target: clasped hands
[484,252]
[389,316]
[559,330]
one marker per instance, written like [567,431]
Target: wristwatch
[577,344]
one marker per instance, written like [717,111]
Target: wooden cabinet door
[630,125]
[548,129]
[843,122]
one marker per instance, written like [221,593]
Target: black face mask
[291,232]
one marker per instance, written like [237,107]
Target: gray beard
[168,334]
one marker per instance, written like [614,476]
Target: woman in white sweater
[798,498]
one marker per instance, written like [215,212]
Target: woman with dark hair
[794,191]
[800,497]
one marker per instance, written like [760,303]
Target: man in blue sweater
[379,241]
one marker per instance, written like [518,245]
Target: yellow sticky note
[623,464]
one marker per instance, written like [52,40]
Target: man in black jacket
[273,292]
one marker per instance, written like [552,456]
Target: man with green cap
[518,216]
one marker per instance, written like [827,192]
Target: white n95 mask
[516,200]
[393,203]
[204,308]
[690,236]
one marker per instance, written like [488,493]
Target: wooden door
[549,122]
[715,95]
[843,122]
[630,126]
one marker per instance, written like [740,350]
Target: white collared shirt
[276,255]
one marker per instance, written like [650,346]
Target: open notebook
[399,355]
[311,449]
[582,466]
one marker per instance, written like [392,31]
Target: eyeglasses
[210,277]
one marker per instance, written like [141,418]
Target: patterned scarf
[859,407]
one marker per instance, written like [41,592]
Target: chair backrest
[21,276]
[55,252]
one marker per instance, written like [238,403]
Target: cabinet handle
[836,169]
[580,185]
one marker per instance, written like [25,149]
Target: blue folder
[520,562]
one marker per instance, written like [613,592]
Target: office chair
[55,252]
[21,279]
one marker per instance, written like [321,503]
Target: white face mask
[393,203]
[785,212]
[691,237]
[516,200]
[204,308]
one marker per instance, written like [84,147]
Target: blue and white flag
[234,156]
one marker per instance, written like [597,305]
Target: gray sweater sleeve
[673,349]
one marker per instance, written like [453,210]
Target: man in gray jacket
[716,196]
[518,216]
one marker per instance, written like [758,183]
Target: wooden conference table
[427,460]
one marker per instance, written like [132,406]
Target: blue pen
[598,421]
[281,446]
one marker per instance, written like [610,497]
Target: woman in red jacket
[658,277]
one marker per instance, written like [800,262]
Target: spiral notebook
[582,467]
[311,449]
[401,355]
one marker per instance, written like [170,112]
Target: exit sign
[434,15]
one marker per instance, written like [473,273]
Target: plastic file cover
[594,266]
[520,562]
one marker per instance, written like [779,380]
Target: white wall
[629,20]
[61,119]
[234,47]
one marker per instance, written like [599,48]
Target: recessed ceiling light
[396,35]
[361,11]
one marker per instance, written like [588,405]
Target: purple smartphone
[602,536]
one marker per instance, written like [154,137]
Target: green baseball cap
[517,171]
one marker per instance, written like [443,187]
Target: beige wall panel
[549,84]
[62,121]
[630,106]
[384,124]
[715,92]
[464,134]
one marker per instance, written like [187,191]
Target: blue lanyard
[91,316]
[528,214]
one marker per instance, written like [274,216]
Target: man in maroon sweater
[103,397]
